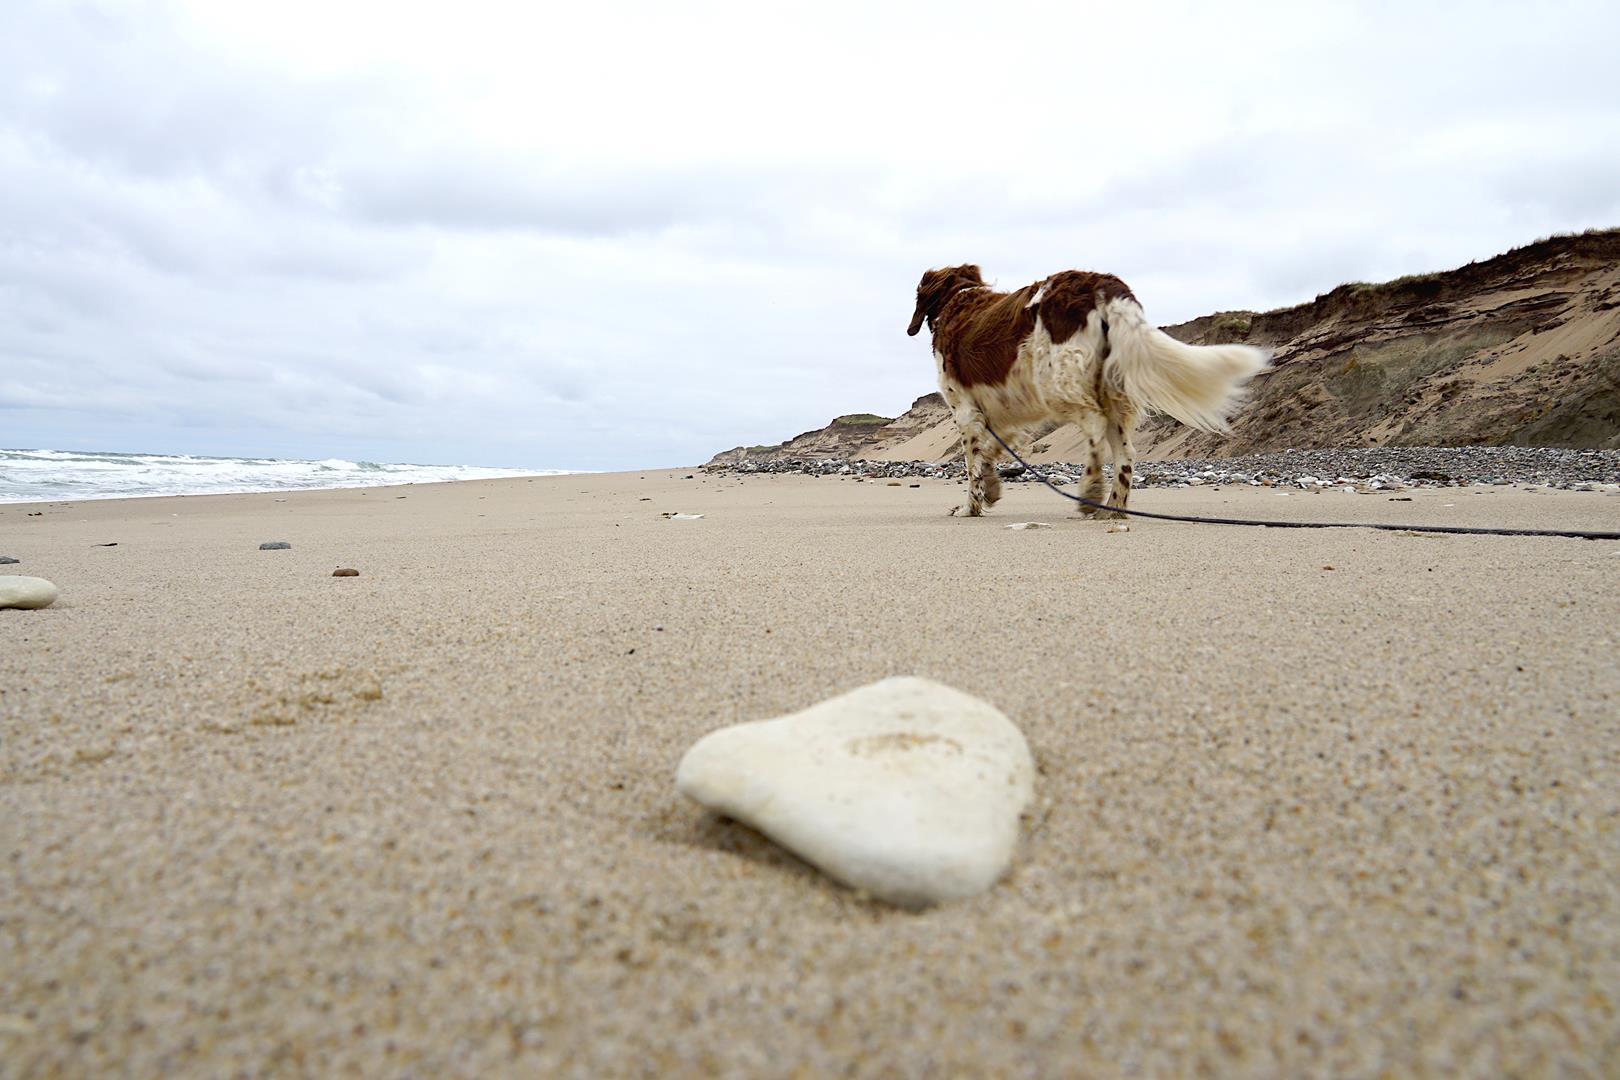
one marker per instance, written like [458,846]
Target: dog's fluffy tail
[1200,385]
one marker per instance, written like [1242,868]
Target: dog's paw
[953,511]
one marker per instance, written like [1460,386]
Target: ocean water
[66,475]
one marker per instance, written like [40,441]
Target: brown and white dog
[1073,348]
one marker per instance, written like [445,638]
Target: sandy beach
[1337,803]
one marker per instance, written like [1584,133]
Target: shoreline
[67,503]
[1306,802]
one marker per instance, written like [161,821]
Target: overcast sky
[625,235]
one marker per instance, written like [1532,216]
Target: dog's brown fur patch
[1072,295]
[978,331]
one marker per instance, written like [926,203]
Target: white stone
[905,789]
[1030,525]
[25,592]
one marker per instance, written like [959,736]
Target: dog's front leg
[979,454]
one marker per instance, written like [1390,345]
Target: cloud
[630,236]
[1576,187]
[466,190]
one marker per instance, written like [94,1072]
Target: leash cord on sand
[1455,529]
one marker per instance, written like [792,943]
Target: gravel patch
[1385,468]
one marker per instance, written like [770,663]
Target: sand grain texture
[422,822]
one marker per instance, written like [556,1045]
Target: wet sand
[1331,803]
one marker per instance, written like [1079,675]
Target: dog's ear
[936,287]
[925,292]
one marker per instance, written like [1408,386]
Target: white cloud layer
[629,235]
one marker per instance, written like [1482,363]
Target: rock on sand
[906,789]
[26,592]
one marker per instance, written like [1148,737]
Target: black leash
[1456,529]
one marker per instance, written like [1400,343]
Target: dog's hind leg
[1120,448]
[1093,485]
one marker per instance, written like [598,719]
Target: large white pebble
[906,788]
[17,591]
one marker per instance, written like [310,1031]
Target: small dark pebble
[6,560]
[1403,498]
[346,572]
[113,544]
[274,545]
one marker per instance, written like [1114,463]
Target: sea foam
[58,475]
